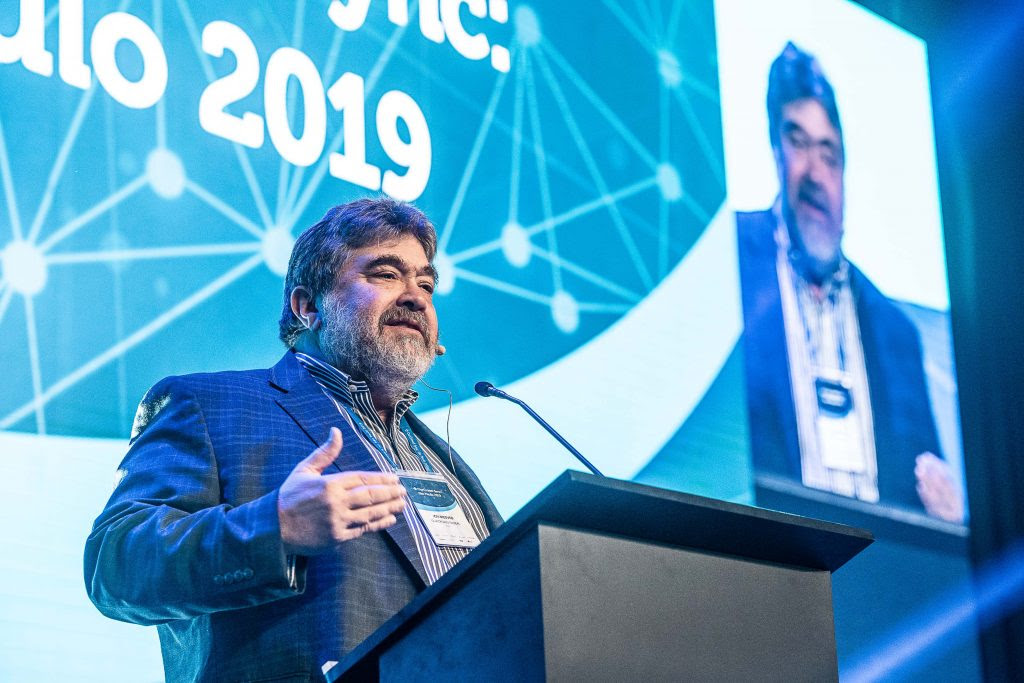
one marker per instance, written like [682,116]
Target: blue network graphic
[135,244]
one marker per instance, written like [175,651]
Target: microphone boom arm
[488,389]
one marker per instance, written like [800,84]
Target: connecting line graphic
[8,189]
[659,18]
[126,255]
[58,165]
[474,157]
[83,219]
[595,171]
[5,176]
[616,309]
[223,209]
[502,286]
[702,138]
[33,359]
[587,275]
[663,147]
[602,108]
[527,295]
[516,156]
[644,12]
[542,169]
[673,22]
[131,341]
[628,24]
[570,215]
[5,298]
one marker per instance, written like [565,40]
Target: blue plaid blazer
[189,540]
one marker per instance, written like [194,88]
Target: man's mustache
[393,316]
[814,196]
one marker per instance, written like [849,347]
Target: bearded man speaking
[267,521]
[836,387]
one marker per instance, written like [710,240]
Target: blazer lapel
[465,475]
[304,400]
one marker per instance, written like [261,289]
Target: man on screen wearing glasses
[836,386]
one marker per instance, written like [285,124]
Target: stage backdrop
[582,162]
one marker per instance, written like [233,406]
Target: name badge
[438,509]
[839,434]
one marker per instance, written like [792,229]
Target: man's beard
[815,241]
[354,343]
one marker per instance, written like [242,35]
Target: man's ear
[779,165]
[304,308]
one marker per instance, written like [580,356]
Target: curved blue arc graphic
[619,397]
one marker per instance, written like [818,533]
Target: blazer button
[247,573]
[218,579]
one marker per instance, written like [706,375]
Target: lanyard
[826,313]
[403,425]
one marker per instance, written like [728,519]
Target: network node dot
[23,267]
[669,183]
[165,173]
[527,26]
[445,273]
[277,249]
[565,311]
[515,244]
[669,69]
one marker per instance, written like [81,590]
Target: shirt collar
[344,387]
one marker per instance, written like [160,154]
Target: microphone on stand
[486,389]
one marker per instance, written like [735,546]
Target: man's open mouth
[408,324]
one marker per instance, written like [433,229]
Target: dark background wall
[976,57]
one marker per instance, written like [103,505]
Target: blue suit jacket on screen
[900,406]
[190,540]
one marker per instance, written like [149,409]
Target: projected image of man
[836,386]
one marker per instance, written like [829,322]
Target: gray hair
[797,75]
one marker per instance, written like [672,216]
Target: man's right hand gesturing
[318,511]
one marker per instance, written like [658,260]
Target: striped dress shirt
[352,399]
[823,340]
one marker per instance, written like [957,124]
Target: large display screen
[702,290]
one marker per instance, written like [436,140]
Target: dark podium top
[621,509]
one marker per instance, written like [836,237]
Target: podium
[601,579]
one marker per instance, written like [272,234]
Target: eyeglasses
[798,143]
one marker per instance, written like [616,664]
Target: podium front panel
[622,609]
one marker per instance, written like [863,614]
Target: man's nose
[817,169]
[413,297]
